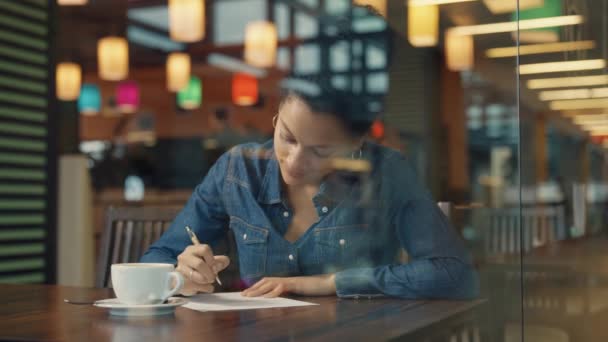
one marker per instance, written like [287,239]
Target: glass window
[281,19]
[377,82]
[306,26]
[339,56]
[307,59]
[309,3]
[231,17]
[283,55]
[368,24]
[375,55]
[357,85]
[494,120]
[474,117]
[336,7]
[155,16]
[357,47]
[340,82]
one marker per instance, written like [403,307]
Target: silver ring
[190,276]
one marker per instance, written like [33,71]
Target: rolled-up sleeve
[439,265]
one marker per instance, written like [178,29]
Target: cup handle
[179,283]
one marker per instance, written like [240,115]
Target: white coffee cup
[144,283]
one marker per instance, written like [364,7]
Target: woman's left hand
[321,285]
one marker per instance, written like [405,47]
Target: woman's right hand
[199,267]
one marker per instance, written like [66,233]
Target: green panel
[23,25]
[23,55]
[22,114]
[21,249]
[22,174]
[22,159]
[26,100]
[21,144]
[18,189]
[19,84]
[24,91]
[41,3]
[24,264]
[21,234]
[38,131]
[21,204]
[22,70]
[23,40]
[24,10]
[23,278]
[21,219]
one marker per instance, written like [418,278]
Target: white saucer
[119,309]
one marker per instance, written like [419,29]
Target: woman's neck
[306,190]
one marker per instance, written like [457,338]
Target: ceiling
[80,27]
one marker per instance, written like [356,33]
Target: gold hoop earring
[274,120]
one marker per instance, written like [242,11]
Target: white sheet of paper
[234,301]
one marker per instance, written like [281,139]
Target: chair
[128,233]
[539,226]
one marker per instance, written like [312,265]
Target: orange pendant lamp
[244,89]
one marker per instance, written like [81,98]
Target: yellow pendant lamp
[113,58]
[260,44]
[423,25]
[178,71]
[459,51]
[187,20]
[67,81]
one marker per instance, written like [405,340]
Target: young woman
[304,226]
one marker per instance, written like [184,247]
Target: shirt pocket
[252,247]
[342,246]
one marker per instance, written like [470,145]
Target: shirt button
[244,236]
[286,213]
[342,242]
[324,209]
[290,257]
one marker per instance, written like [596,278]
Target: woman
[303,227]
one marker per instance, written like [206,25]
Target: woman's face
[305,142]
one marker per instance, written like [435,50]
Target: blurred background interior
[503,112]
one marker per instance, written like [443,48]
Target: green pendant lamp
[191,97]
[551,8]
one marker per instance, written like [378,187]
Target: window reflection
[520,157]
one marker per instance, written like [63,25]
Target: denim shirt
[363,223]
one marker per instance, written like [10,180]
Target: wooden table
[585,255]
[38,313]
[565,287]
